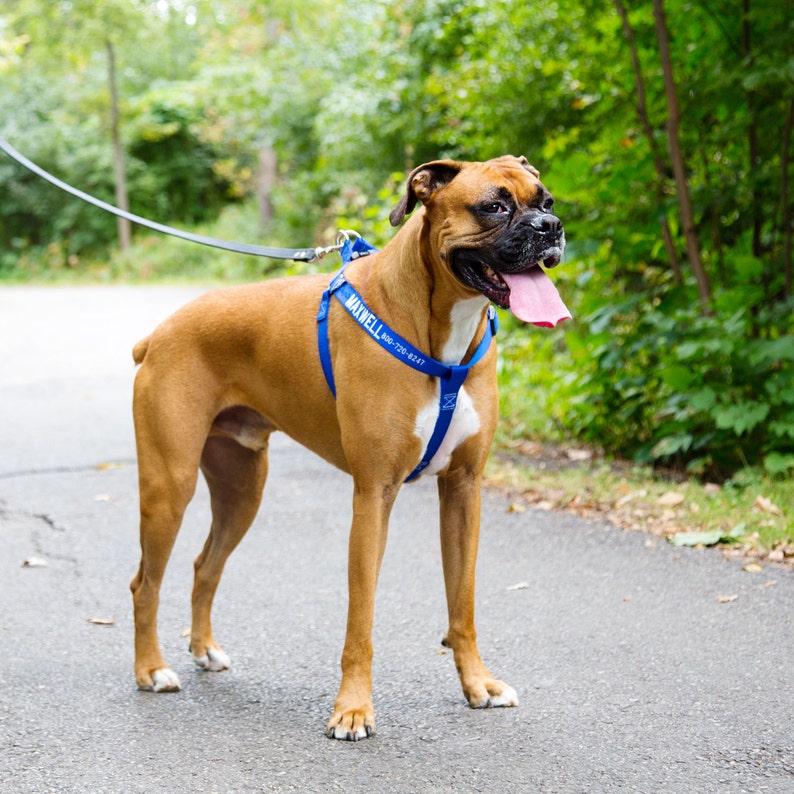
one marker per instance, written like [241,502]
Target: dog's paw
[351,725]
[161,680]
[214,660]
[493,694]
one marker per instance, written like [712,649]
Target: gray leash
[296,254]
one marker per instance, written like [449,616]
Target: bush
[657,381]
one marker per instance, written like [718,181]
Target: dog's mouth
[528,293]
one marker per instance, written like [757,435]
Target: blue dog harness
[451,377]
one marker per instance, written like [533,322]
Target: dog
[229,368]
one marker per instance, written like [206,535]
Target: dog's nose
[547,224]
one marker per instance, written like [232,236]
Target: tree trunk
[642,112]
[122,201]
[265,181]
[752,133]
[785,203]
[677,159]
[716,232]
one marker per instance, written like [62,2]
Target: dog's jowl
[219,376]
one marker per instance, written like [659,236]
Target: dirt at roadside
[660,509]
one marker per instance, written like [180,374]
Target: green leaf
[709,538]
[778,463]
[696,538]
[784,427]
[740,417]
[769,351]
[672,444]
[703,399]
[747,266]
[677,377]
[689,349]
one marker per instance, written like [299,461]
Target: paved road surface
[632,676]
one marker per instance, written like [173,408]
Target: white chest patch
[464,320]
[465,422]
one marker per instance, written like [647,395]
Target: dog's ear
[423,182]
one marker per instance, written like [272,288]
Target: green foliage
[660,382]
[347,94]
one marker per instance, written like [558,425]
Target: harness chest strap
[451,377]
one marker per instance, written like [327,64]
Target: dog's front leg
[353,717]
[459,495]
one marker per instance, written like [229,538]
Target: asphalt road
[633,676]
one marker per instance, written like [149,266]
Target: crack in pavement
[10,475]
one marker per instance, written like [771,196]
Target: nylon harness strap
[451,377]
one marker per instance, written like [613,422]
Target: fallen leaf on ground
[35,562]
[555,494]
[529,448]
[708,538]
[767,506]
[103,497]
[753,567]
[624,500]
[519,586]
[109,464]
[516,507]
[726,599]
[102,621]
[696,538]
[670,499]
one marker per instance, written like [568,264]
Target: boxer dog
[225,371]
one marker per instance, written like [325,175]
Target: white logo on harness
[366,319]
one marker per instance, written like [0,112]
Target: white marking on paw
[165,680]
[214,661]
[342,733]
[507,698]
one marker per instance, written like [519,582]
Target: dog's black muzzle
[535,238]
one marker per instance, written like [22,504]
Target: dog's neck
[453,317]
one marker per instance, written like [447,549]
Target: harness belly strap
[451,377]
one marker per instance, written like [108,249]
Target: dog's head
[488,222]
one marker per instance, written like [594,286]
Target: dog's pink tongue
[534,299]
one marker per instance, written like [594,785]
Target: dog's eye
[496,208]
[548,204]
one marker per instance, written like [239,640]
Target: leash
[295,254]
[451,377]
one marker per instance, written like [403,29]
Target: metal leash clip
[342,236]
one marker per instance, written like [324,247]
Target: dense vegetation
[664,130]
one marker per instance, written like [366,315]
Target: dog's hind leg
[167,474]
[236,476]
